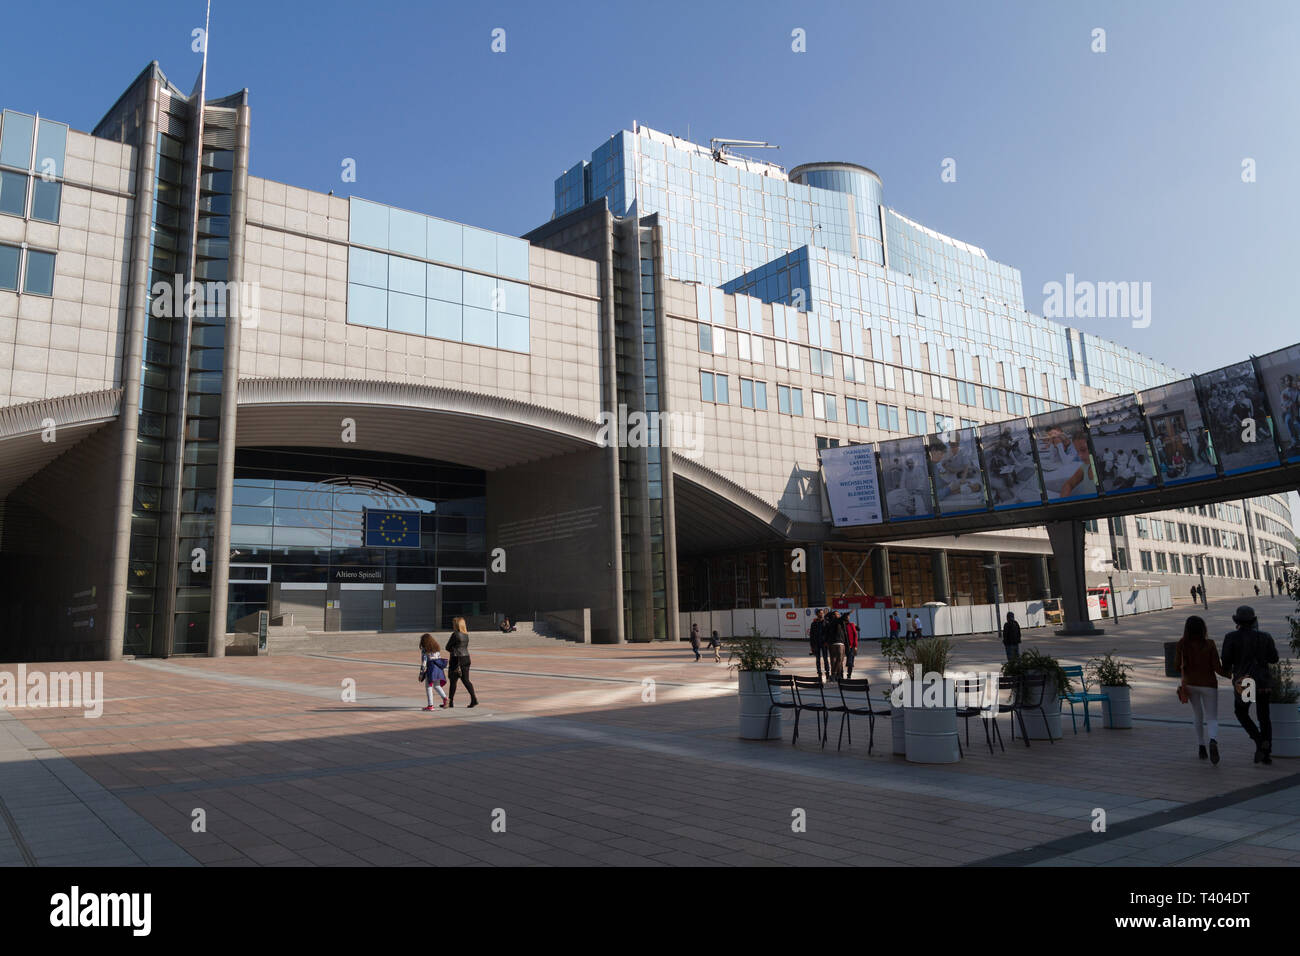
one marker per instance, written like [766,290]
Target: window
[1121,559]
[746,393]
[760,396]
[38,278]
[720,389]
[13,193]
[1143,527]
[706,338]
[9,267]
[916,423]
[887,417]
[45,199]
[819,405]
[706,386]
[1182,532]
[823,442]
[1145,557]
[1162,564]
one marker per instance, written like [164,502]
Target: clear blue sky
[1123,165]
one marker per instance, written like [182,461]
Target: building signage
[359,574]
[851,484]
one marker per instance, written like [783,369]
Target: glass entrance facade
[299,522]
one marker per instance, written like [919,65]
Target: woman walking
[433,670]
[1197,659]
[458,669]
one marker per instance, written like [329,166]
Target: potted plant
[1032,662]
[929,699]
[753,657]
[898,653]
[1284,711]
[1111,676]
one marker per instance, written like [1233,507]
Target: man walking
[1011,637]
[850,646]
[835,638]
[815,640]
[695,640]
[1247,654]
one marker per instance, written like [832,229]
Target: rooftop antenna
[722,147]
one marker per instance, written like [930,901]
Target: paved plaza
[567,755]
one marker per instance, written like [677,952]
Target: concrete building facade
[222,395]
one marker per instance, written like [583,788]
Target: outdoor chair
[1030,692]
[971,703]
[1080,696]
[780,688]
[809,694]
[855,701]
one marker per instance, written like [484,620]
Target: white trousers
[1205,710]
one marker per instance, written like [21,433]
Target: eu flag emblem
[392,529]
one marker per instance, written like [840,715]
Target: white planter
[755,702]
[897,718]
[931,734]
[1037,729]
[1117,711]
[1286,728]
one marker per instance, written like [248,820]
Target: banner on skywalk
[851,485]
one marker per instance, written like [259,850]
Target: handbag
[424,675]
[1183,696]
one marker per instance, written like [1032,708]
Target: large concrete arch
[470,428]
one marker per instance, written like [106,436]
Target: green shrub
[1109,671]
[753,652]
[1032,660]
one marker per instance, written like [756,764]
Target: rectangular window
[706,338]
[13,193]
[706,386]
[782,395]
[746,393]
[832,409]
[796,401]
[819,405]
[851,410]
[760,396]
[1146,560]
[1161,562]
[38,278]
[9,267]
[45,200]
[720,389]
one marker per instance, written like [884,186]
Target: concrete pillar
[939,566]
[133,349]
[1066,538]
[881,586]
[235,318]
[816,575]
[1042,579]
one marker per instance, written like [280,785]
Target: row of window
[1163,563]
[35,267]
[1189,534]
[32,152]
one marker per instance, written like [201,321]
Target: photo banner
[906,476]
[852,488]
[1178,435]
[1280,372]
[1238,418]
[1067,465]
[1119,443]
[955,470]
[1010,469]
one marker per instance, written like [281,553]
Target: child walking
[433,670]
[716,644]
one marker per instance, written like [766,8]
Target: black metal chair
[816,702]
[1029,696]
[860,686]
[780,688]
[975,689]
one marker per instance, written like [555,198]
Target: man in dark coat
[1011,637]
[1247,654]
